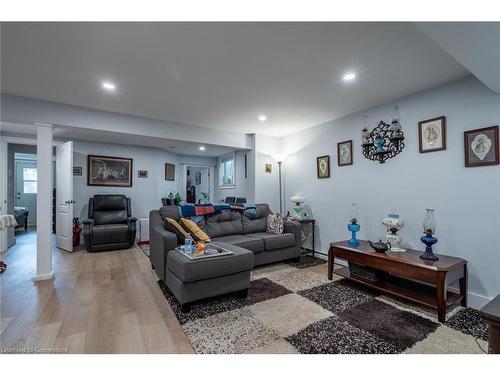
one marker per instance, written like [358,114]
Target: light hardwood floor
[106,302]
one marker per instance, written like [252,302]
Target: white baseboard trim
[46,276]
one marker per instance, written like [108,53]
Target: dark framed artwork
[344,153]
[481,147]
[142,173]
[197,178]
[169,172]
[432,135]
[77,171]
[323,166]
[268,168]
[109,171]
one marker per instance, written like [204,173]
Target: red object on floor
[76,236]
[143,242]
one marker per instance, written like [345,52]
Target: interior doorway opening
[22,187]
[199,184]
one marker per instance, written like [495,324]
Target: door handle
[67,202]
[18,197]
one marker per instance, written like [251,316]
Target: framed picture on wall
[77,171]
[169,172]
[344,153]
[197,178]
[142,173]
[481,147]
[323,166]
[268,168]
[432,134]
[109,171]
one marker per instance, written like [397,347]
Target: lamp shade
[279,157]
[297,198]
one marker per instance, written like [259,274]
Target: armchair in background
[110,225]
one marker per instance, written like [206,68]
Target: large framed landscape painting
[109,171]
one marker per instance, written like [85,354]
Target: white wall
[145,193]
[467,200]
[241,188]
[267,184]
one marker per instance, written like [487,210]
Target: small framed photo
[268,168]
[197,178]
[77,171]
[142,173]
[323,166]
[169,172]
[432,134]
[481,147]
[344,153]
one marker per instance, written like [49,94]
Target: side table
[491,314]
[312,223]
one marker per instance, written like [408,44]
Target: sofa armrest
[88,224]
[131,221]
[88,221]
[161,241]
[294,227]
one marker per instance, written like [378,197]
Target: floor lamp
[280,158]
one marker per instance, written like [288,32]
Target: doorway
[25,188]
[198,184]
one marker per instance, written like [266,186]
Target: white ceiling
[223,75]
[476,45]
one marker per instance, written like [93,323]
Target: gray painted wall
[145,193]
[467,200]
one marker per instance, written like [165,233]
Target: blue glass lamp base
[353,228]
[428,240]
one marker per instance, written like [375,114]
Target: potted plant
[177,199]
[205,197]
[77,229]
[168,200]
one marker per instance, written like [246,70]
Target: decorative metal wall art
[385,141]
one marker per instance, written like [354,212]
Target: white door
[26,187]
[64,196]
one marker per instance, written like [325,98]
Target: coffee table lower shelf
[418,293]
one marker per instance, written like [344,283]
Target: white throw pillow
[275,223]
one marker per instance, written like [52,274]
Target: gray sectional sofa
[245,233]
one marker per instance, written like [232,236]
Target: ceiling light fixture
[108,86]
[262,118]
[349,76]
[202,148]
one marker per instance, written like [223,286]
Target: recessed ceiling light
[202,148]
[108,86]
[262,118]
[349,77]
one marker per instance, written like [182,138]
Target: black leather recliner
[110,225]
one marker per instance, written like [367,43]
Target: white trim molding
[46,276]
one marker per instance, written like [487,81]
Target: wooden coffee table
[405,275]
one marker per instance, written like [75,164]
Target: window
[30,178]
[226,171]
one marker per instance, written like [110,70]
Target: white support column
[44,269]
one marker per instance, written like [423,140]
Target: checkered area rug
[292,308]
